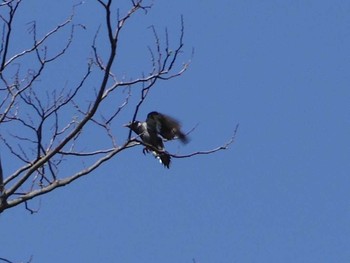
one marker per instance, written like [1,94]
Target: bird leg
[145,150]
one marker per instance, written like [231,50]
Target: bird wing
[168,127]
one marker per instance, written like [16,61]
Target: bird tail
[164,158]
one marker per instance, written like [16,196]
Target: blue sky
[279,194]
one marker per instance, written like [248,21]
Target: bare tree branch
[45,129]
[225,146]
[9,261]
[222,147]
[6,260]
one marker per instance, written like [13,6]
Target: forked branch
[46,131]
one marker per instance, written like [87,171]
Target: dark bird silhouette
[152,131]
[166,126]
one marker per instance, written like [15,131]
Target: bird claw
[145,150]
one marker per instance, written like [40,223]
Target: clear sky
[279,194]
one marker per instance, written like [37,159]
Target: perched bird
[156,127]
[150,137]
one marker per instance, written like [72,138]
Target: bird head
[132,125]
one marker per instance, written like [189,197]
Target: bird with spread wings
[157,128]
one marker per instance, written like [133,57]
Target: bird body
[151,138]
[156,128]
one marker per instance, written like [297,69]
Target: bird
[154,130]
[152,139]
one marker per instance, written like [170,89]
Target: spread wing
[166,126]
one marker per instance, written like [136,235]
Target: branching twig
[42,129]
[222,147]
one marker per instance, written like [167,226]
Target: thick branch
[65,181]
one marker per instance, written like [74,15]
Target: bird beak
[127,125]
